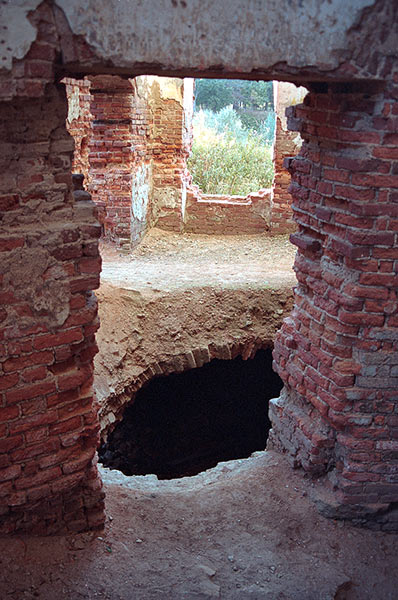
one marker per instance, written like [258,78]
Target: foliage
[214,94]
[227,158]
[252,100]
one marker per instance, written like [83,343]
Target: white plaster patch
[203,33]
[16,32]
[73,105]
[140,193]
[287,94]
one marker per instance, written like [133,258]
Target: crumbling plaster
[207,36]
[268,33]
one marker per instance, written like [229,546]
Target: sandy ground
[246,529]
[168,261]
[178,294]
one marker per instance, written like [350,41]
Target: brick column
[78,122]
[170,152]
[337,352]
[111,155]
[48,317]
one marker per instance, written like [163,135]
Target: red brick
[73,424]
[45,476]
[29,452]
[30,391]
[67,252]
[73,379]
[8,381]
[7,244]
[84,284]
[9,413]
[361,318]
[10,443]
[36,358]
[90,265]
[68,336]
[10,473]
[38,420]
[67,482]
[35,374]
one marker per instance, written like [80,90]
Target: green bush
[227,158]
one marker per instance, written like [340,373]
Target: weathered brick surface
[118,143]
[337,352]
[170,153]
[226,215]
[281,201]
[135,164]
[79,122]
[135,156]
[47,317]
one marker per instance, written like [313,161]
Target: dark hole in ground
[185,423]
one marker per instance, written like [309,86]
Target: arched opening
[182,424]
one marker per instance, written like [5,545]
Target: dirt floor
[246,529]
[169,261]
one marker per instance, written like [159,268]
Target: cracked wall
[139,134]
[336,354]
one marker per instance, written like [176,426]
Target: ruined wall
[168,151]
[49,264]
[345,204]
[337,352]
[78,122]
[225,215]
[139,134]
[286,143]
[136,153]
[118,156]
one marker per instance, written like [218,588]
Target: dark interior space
[182,424]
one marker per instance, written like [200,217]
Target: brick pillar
[49,265]
[170,152]
[337,352]
[111,155]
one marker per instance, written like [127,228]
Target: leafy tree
[215,94]
[212,94]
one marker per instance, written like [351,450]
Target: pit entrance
[182,424]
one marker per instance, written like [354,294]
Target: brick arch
[111,411]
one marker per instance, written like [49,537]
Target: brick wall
[136,159]
[285,145]
[169,152]
[337,352]
[225,215]
[139,136]
[49,265]
[117,145]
